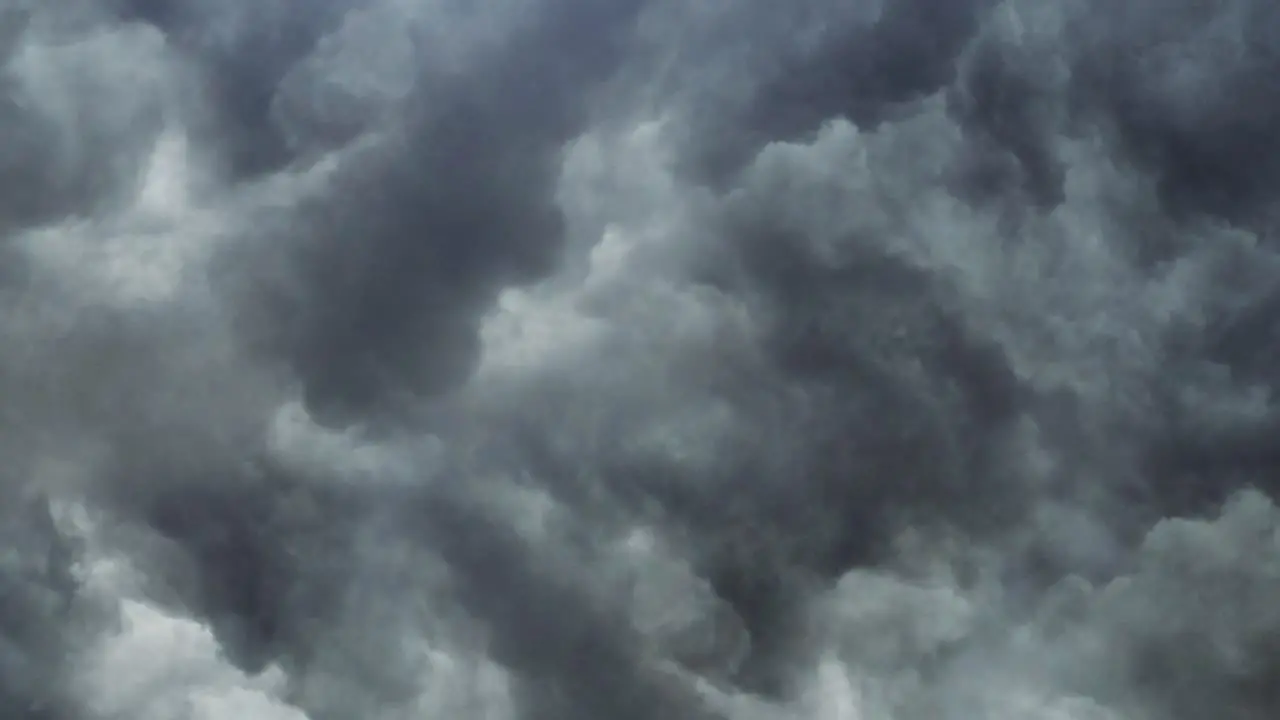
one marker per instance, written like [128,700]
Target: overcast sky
[639,359]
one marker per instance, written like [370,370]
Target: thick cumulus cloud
[560,359]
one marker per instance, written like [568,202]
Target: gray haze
[639,359]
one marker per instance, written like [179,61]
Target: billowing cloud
[643,359]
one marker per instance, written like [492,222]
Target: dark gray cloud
[390,265]
[560,359]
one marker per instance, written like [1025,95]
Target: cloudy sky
[639,359]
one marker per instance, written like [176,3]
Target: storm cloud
[555,359]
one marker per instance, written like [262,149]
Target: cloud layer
[894,360]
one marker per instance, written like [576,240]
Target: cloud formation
[640,359]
